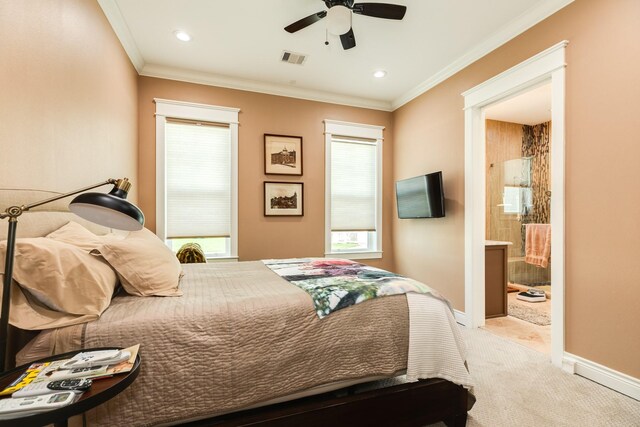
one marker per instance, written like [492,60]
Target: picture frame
[282,155]
[283,198]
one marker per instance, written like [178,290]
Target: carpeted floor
[517,386]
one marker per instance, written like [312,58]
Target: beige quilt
[241,335]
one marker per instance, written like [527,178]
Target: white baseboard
[608,377]
[460,316]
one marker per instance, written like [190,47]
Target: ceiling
[529,108]
[239,44]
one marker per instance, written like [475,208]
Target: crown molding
[170,73]
[119,25]
[516,27]
[115,18]
[525,21]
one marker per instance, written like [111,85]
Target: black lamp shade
[109,210]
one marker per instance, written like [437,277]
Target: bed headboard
[41,220]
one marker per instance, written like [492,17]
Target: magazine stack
[51,385]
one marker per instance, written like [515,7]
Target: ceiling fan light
[338,20]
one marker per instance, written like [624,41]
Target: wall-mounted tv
[421,196]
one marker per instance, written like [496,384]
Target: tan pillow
[75,234]
[145,265]
[62,277]
[27,313]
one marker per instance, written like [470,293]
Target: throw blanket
[338,283]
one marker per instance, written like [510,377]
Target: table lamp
[111,210]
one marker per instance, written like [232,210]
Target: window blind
[353,184]
[198,179]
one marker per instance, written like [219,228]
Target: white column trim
[558,213]
[161,183]
[233,241]
[327,192]
[357,130]
[195,111]
[548,65]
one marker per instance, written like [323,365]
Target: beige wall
[259,236]
[68,97]
[602,183]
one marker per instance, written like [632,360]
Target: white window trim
[193,111]
[357,130]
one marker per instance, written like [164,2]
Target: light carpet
[529,314]
[517,386]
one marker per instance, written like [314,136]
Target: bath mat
[529,314]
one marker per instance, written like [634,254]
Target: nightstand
[101,390]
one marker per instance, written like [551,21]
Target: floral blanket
[338,283]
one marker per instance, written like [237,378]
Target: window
[353,190]
[196,175]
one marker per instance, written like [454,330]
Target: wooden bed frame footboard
[410,404]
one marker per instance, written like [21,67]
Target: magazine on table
[58,370]
[66,369]
[27,377]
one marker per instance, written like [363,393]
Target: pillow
[27,313]
[62,277]
[75,234]
[145,265]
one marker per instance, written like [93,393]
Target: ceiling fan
[339,17]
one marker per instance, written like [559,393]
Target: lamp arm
[16,211]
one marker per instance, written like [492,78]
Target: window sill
[355,255]
[223,259]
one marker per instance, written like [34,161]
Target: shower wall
[535,144]
[518,190]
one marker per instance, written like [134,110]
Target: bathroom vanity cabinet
[495,278]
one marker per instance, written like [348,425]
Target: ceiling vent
[293,58]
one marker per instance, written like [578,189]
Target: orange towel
[537,248]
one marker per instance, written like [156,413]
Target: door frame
[548,65]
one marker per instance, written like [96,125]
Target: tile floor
[528,334]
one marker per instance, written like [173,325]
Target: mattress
[241,336]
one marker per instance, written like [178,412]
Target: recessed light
[182,36]
[379,74]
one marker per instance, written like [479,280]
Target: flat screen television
[421,196]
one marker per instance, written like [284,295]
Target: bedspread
[238,336]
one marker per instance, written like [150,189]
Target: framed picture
[283,198]
[282,155]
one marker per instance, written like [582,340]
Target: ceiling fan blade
[348,39]
[380,10]
[305,22]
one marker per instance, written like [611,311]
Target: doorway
[547,66]
[518,222]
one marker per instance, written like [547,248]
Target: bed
[242,346]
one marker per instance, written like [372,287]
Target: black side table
[101,390]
